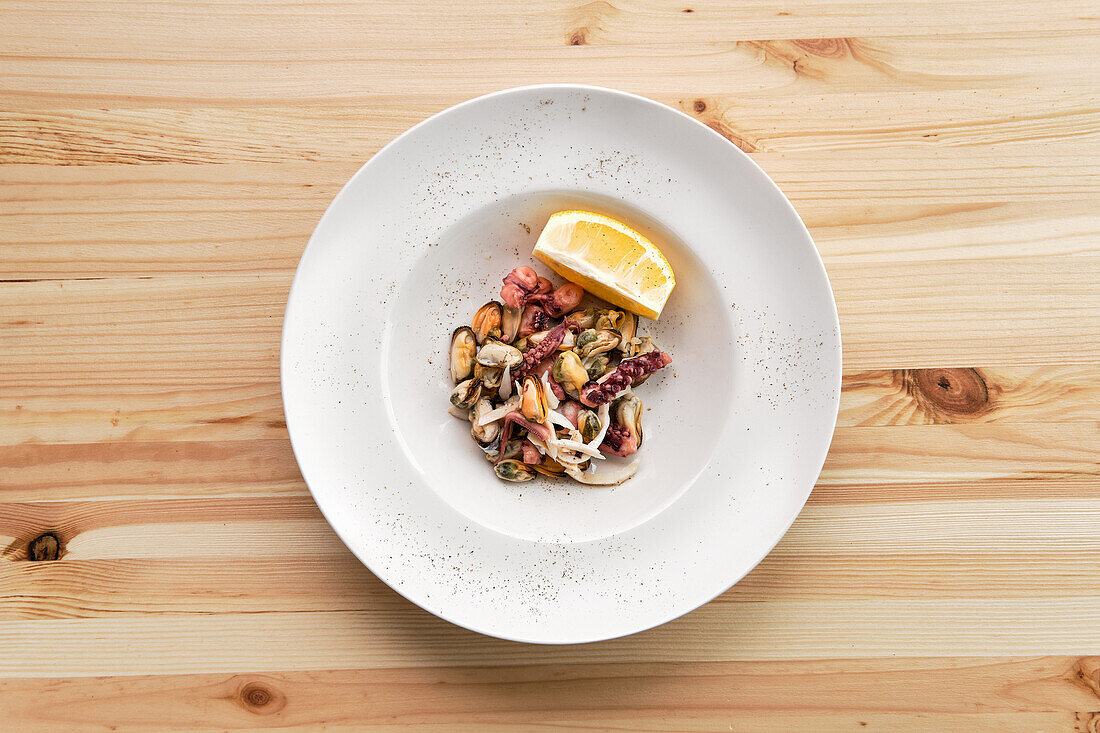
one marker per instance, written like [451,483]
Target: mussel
[514,449]
[589,424]
[509,324]
[498,354]
[549,468]
[463,353]
[628,413]
[466,394]
[569,372]
[567,342]
[487,321]
[628,330]
[609,319]
[596,366]
[486,434]
[512,470]
[533,401]
[584,318]
[596,341]
[488,376]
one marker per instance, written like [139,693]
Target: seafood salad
[548,388]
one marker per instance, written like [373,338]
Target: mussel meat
[487,321]
[486,434]
[609,319]
[569,372]
[628,330]
[512,470]
[589,424]
[534,403]
[498,354]
[544,469]
[596,366]
[509,324]
[514,449]
[463,352]
[584,318]
[628,413]
[466,394]
[596,341]
[488,376]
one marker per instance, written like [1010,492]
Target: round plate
[736,430]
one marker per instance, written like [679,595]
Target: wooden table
[162,566]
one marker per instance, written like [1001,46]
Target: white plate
[737,428]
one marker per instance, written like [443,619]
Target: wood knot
[589,21]
[948,395]
[823,47]
[687,10]
[712,118]
[259,698]
[44,547]
[1086,674]
[1086,722]
[800,55]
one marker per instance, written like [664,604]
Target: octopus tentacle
[563,300]
[543,349]
[516,417]
[519,285]
[597,393]
[556,388]
[531,454]
[619,441]
[533,320]
[523,286]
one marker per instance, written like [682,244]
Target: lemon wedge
[608,259]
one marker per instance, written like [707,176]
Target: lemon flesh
[608,259]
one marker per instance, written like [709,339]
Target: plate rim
[837,358]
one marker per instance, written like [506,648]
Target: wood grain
[185,556]
[323,577]
[93,413]
[975,460]
[954,395]
[778,629]
[249,217]
[162,566]
[1016,695]
[1032,313]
